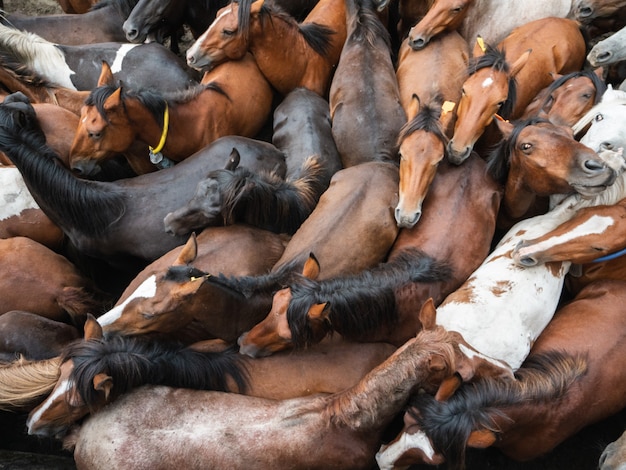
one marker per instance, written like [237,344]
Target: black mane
[427,119]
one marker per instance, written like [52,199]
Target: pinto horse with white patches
[78,67]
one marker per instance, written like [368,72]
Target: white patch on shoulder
[146,290]
[14,195]
[116,66]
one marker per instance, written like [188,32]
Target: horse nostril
[417,44]
[131,34]
[604,56]
[585,12]
[606,146]
[594,165]
[94,135]
[527,261]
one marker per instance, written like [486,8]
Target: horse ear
[414,107]
[189,252]
[599,71]
[505,126]
[103,383]
[428,314]
[479,47]
[233,160]
[92,328]
[447,387]
[113,101]
[311,267]
[481,439]
[519,63]
[318,311]
[256,6]
[106,75]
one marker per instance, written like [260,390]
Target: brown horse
[176,297]
[97,365]
[76,6]
[265,30]
[38,280]
[341,430]
[549,401]
[381,304]
[504,80]
[234,100]
[568,97]
[364,98]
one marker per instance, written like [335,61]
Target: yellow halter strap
[166,125]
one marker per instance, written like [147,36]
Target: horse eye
[587,96]
[526,146]
[599,117]
[462,91]
[228,32]
[147,316]
[457,9]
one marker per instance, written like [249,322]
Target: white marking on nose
[60,390]
[147,289]
[116,66]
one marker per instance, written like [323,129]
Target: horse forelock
[543,378]
[496,59]
[304,294]
[427,119]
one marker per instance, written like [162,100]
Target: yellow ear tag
[481,43]
[447,106]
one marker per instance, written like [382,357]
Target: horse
[568,98]
[177,297]
[264,29]
[119,222]
[549,402]
[338,430]
[235,100]
[365,85]
[38,280]
[102,23]
[537,158]
[78,67]
[125,363]
[586,11]
[608,51]
[614,455]
[302,131]
[21,216]
[447,59]
[26,382]
[505,79]
[492,20]
[380,303]
[33,337]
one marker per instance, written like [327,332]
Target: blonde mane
[24,383]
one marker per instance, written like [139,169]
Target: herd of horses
[327,234]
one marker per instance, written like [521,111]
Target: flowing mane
[25,383]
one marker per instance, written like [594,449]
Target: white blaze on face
[147,289]
[193,50]
[15,197]
[61,390]
[595,225]
[387,456]
[116,66]
[487,82]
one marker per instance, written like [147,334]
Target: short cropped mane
[496,59]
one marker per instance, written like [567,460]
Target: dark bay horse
[235,99]
[549,401]
[302,130]
[264,29]
[364,97]
[217,287]
[78,67]
[102,23]
[381,303]
[118,221]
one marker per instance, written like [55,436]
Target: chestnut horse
[102,23]
[177,297]
[235,100]
[524,60]
[120,221]
[264,29]
[364,98]
[340,430]
[117,365]
[381,303]
[76,6]
[78,66]
[493,20]
[302,130]
[548,402]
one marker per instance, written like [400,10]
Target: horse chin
[588,192]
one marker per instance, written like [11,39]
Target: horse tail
[24,383]
[78,301]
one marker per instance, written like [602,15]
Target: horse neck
[145,124]
[382,393]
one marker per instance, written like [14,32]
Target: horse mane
[25,383]
[366,24]
[135,361]
[265,200]
[427,119]
[82,205]
[610,98]
[315,35]
[499,158]
[26,47]
[22,73]
[361,303]
[543,378]
[496,59]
